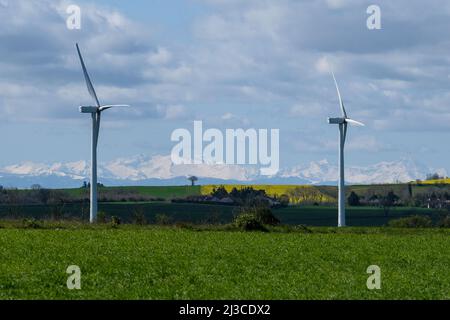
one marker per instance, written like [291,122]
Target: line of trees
[386,200]
[431,197]
[248,196]
[43,196]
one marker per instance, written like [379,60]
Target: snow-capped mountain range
[159,170]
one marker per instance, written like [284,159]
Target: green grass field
[166,192]
[207,259]
[172,263]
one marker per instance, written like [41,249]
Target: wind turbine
[343,123]
[95,112]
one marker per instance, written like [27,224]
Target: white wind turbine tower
[342,122]
[95,112]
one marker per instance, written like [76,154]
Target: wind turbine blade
[341,103]
[109,106]
[86,77]
[354,122]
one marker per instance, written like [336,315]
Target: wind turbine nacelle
[90,109]
[336,120]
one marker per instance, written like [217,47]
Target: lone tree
[353,199]
[193,179]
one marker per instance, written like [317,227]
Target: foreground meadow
[132,262]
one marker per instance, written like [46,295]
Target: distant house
[227,200]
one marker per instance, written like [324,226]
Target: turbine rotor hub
[88,109]
[336,120]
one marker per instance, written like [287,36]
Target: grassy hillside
[169,263]
[166,192]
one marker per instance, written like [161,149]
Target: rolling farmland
[155,201]
[200,255]
[166,192]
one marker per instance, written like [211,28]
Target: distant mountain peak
[159,169]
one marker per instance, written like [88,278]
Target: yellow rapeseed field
[434,181]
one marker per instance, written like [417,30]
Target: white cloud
[228,116]
[357,142]
[172,112]
[261,61]
[303,110]
[323,65]
[160,57]
[231,119]
[337,4]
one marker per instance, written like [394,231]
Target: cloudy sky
[231,64]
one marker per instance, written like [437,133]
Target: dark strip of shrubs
[418,221]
